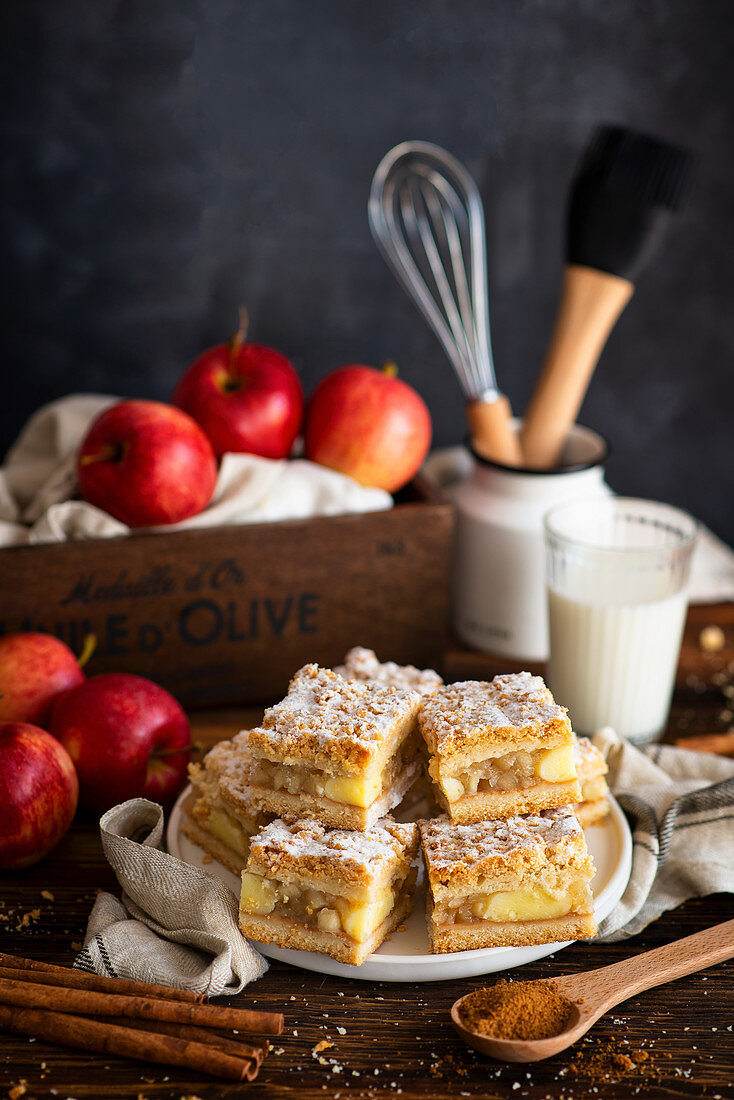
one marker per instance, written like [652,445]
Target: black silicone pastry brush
[624,194]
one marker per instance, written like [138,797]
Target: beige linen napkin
[38,481]
[175,925]
[682,807]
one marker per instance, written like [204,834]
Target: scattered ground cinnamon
[516,1010]
[604,1061]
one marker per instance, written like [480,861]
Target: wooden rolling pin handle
[591,301]
[493,433]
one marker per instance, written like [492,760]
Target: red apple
[246,397]
[146,463]
[368,424]
[34,669]
[38,794]
[126,736]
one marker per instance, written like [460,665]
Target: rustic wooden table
[396,1040]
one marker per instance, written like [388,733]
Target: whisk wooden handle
[493,433]
[591,302]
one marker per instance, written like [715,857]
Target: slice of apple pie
[328,890]
[362,664]
[591,767]
[506,883]
[213,824]
[343,752]
[499,748]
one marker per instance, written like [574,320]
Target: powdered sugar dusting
[226,758]
[516,701]
[322,708]
[589,761]
[445,844]
[371,851]
[362,664]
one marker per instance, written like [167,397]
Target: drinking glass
[617,574]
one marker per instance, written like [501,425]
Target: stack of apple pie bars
[302,806]
[507,864]
[327,870]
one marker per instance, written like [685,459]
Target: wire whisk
[427,219]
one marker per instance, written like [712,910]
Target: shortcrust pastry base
[493,805]
[297,936]
[591,813]
[480,934]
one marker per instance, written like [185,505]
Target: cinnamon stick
[721,743]
[87,1001]
[79,979]
[255,1052]
[85,1034]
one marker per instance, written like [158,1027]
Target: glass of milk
[617,574]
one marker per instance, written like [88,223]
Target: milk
[613,660]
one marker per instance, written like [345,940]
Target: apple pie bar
[591,768]
[499,748]
[340,893]
[213,824]
[343,752]
[507,883]
[362,664]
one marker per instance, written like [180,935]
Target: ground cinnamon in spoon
[516,1010]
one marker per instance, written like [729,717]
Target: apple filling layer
[313,908]
[354,790]
[594,789]
[512,771]
[225,827]
[526,903]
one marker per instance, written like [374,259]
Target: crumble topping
[223,759]
[589,761]
[445,844]
[512,703]
[322,712]
[362,664]
[373,851]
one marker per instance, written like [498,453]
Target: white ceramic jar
[499,591]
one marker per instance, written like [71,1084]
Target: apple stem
[88,647]
[240,335]
[194,746]
[107,452]
[390,369]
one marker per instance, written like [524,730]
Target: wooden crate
[225,616]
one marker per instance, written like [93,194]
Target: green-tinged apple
[246,397]
[38,794]
[368,424]
[34,669]
[146,464]
[126,736]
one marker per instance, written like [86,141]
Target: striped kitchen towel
[175,924]
[682,807]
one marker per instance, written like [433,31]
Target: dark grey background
[166,159]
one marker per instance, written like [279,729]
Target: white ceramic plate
[405,957]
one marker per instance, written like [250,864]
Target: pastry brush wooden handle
[591,302]
[493,433]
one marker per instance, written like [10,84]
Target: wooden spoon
[594,992]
